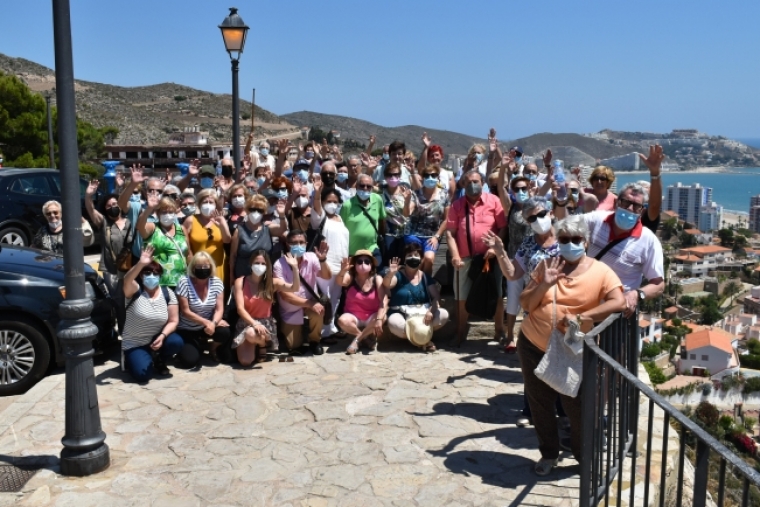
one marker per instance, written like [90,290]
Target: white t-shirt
[146,318]
[633,258]
[202,308]
[336,236]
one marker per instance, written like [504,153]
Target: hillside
[360,130]
[147,114]
[537,144]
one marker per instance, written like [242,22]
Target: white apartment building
[687,200]
[710,217]
[698,260]
[754,213]
[627,162]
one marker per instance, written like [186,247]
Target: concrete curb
[24,404]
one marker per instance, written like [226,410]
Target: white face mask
[254,217]
[167,219]
[207,209]
[54,224]
[302,202]
[259,269]
[238,201]
[542,225]
[331,208]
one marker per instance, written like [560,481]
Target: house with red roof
[708,349]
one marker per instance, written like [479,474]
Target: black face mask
[328,178]
[113,212]
[202,273]
[227,171]
[413,262]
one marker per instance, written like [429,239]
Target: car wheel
[24,356]
[13,236]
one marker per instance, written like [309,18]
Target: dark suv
[22,194]
[31,288]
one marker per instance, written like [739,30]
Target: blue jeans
[139,360]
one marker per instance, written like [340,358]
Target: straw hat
[366,253]
[417,332]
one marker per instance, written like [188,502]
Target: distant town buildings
[698,260]
[754,213]
[628,162]
[687,201]
[752,301]
[710,217]
[710,350]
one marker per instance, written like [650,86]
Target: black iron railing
[610,394]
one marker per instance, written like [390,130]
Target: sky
[521,67]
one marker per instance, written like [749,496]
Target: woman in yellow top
[207,231]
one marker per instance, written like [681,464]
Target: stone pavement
[392,428]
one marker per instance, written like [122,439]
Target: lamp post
[84,449]
[51,143]
[234,31]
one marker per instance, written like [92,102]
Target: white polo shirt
[633,258]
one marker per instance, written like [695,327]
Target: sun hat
[417,332]
[366,253]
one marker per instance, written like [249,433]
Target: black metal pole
[84,449]
[235,118]
[51,143]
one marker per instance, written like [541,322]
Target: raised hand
[317,184]
[493,241]
[406,192]
[292,261]
[151,202]
[393,266]
[195,167]
[551,271]
[119,179]
[576,171]
[282,145]
[280,207]
[372,139]
[321,251]
[548,158]
[168,175]
[654,160]
[92,188]
[246,163]
[146,256]
[492,142]
[297,186]
[318,149]
[136,172]
[426,139]
[369,162]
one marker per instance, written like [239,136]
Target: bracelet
[322,260]
[654,177]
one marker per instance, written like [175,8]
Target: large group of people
[283,256]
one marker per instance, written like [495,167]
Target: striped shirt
[146,318]
[202,308]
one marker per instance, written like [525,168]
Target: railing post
[588,423]
[632,336]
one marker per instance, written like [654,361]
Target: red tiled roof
[709,338]
[693,232]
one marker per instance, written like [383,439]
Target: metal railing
[610,394]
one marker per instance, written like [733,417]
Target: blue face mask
[572,252]
[282,194]
[303,175]
[134,198]
[309,155]
[297,250]
[386,157]
[207,182]
[521,196]
[150,281]
[625,219]
[478,158]
[288,173]
[260,180]
[518,160]
[430,182]
[341,177]
[264,152]
[532,177]
[363,194]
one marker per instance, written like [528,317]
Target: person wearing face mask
[50,236]
[149,340]
[326,221]
[298,210]
[578,201]
[236,206]
[115,235]
[132,209]
[469,219]
[412,294]
[329,179]
[263,157]
[297,305]
[432,154]
[166,237]
[601,180]
[301,172]
[207,177]
[364,216]
[396,153]
[631,250]
[571,288]
[365,303]
[187,205]
[254,234]
[200,295]
[427,224]
[400,203]
[256,330]
[208,232]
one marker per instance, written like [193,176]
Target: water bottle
[559,177]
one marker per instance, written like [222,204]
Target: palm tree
[730,290]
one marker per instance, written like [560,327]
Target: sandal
[430,347]
[286,359]
[353,348]
[544,466]
[261,355]
[370,342]
[510,348]
[212,354]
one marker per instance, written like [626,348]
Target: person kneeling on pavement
[149,340]
[306,302]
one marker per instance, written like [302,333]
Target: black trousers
[195,342]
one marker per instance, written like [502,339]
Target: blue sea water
[731,189]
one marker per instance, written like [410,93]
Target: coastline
[696,170]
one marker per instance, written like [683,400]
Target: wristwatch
[641,294]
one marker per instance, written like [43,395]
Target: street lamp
[84,449]
[234,31]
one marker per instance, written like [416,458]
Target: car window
[32,185]
[83,184]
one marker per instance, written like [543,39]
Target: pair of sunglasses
[533,218]
[564,240]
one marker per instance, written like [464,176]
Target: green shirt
[170,253]
[361,233]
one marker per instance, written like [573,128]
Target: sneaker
[543,467]
[316,348]
[524,421]
[160,368]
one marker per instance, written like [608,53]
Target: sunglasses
[173,196]
[626,204]
[153,191]
[253,210]
[432,175]
[598,178]
[364,187]
[363,260]
[210,234]
[150,272]
[394,175]
[564,240]
[533,218]
[281,189]
[521,189]
[52,213]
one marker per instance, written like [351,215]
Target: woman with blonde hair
[208,231]
[254,235]
[428,221]
[201,305]
[601,179]
[256,329]
[167,238]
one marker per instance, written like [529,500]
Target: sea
[732,188]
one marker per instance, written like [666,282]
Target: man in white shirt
[262,157]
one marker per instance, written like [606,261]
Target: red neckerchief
[635,232]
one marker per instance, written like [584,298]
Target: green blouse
[171,253]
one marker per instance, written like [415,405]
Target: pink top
[360,304]
[486,215]
[606,204]
[257,308]
[309,268]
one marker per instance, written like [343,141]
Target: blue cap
[518,149]
[301,163]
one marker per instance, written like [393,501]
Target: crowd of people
[287,255]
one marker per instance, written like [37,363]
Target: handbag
[318,237]
[123,260]
[322,299]
[561,368]
[484,293]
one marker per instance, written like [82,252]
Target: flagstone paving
[395,427]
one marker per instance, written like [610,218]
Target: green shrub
[726,422]
[651,350]
[707,414]
[751,385]
[655,374]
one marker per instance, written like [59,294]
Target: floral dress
[530,254]
[398,224]
[171,253]
[429,214]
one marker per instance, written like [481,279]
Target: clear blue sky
[522,67]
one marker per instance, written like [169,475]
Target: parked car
[22,194]
[31,288]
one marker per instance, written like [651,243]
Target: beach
[695,170]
